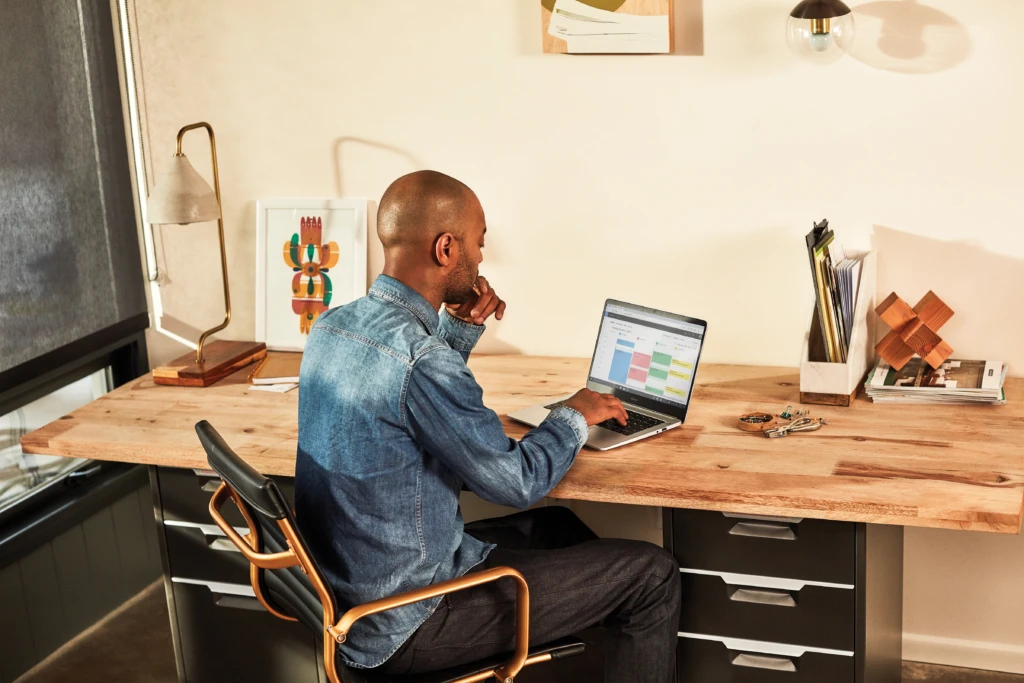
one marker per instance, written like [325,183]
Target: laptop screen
[650,354]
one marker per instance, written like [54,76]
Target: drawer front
[185,495]
[807,549]
[201,551]
[711,661]
[759,608]
[225,635]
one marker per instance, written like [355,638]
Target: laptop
[648,359]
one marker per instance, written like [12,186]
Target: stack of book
[278,372]
[836,279]
[955,381]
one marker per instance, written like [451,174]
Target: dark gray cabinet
[220,631]
[790,600]
[70,559]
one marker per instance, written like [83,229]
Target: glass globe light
[820,30]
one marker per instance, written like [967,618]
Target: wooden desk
[820,599]
[957,467]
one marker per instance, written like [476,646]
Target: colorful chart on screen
[647,353]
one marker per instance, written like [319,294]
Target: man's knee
[661,562]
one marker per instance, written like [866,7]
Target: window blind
[69,254]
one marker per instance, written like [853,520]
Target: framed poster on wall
[310,257]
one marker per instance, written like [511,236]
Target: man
[392,426]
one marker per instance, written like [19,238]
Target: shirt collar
[389,289]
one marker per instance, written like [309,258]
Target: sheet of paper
[276,388]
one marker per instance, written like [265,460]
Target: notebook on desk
[277,368]
[648,359]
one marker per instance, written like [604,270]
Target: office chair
[289,584]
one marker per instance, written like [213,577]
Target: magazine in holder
[836,384]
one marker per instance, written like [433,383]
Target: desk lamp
[183,197]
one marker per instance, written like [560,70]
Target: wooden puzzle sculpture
[311,261]
[913,330]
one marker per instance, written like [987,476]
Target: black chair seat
[565,647]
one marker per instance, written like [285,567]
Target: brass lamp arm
[220,231]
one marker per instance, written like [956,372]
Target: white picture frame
[280,314]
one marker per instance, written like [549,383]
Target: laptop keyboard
[637,422]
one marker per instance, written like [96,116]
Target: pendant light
[820,30]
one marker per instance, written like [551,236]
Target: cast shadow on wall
[974,281]
[908,36]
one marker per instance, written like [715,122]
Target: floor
[98,655]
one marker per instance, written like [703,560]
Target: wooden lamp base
[220,359]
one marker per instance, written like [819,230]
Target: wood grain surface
[958,467]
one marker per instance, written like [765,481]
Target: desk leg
[879,651]
[158,512]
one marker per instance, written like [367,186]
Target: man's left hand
[480,306]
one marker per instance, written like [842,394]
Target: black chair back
[287,591]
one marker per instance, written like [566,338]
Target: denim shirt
[391,426]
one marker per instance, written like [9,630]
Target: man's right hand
[596,407]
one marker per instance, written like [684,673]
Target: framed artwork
[579,27]
[310,256]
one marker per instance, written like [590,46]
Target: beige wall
[684,182]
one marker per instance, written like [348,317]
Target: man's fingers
[618,411]
[481,304]
[621,415]
[486,311]
[463,310]
[501,310]
[482,284]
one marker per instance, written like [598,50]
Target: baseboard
[970,654]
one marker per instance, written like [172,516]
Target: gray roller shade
[69,253]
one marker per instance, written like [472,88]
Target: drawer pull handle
[763,596]
[221,544]
[237,602]
[778,532]
[764,662]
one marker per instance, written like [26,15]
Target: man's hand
[596,407]
[480,307]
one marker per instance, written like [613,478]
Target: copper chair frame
[337,632]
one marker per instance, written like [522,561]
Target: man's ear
[445,250]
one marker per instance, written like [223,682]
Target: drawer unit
[763,608]
[201,551]
[225,635]
[186,495]
[806,549]
[703,660]
[790,600]
[222,633]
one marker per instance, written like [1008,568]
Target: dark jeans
[576,581]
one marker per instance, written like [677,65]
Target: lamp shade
[182,196]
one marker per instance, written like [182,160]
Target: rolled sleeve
[459,335]
[574,419]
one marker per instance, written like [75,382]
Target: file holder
[836,384]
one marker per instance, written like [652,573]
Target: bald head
[419,206]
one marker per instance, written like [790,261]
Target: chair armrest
[340,630]
[247,547]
